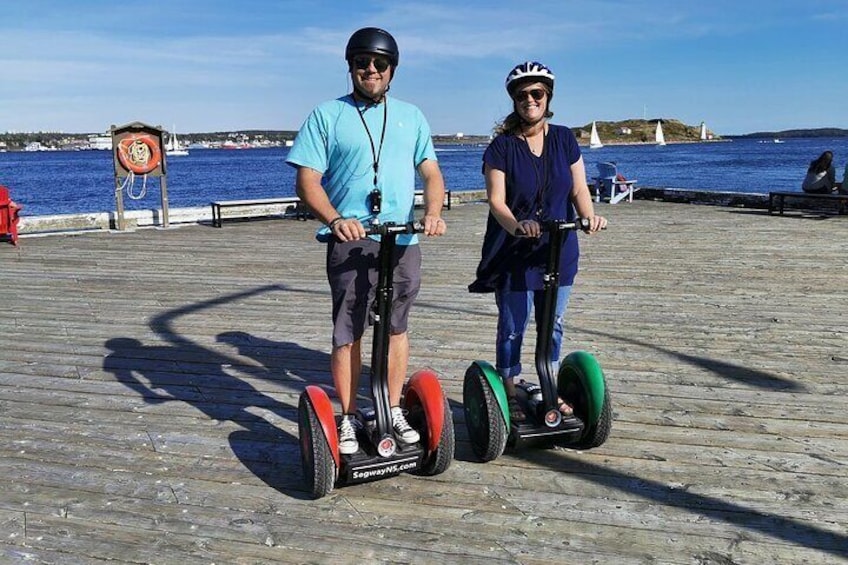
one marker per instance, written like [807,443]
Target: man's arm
[312,194]
[434,197]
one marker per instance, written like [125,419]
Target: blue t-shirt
[334,141]
[537,188]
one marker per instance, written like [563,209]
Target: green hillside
[641,131]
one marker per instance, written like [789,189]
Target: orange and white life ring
[139,153]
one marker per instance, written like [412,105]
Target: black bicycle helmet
[531,71]
[373,40]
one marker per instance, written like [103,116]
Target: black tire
[483,417]
[319,469]
[593,436]
[596,435]
[438,461]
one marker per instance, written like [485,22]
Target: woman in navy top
[534,172]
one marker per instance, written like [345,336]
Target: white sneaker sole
[348,449]
[409,441]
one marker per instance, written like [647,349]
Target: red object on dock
[9,216]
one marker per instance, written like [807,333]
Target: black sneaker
[401,427]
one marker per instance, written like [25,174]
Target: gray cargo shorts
[352,273]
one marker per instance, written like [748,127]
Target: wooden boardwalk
[149,384]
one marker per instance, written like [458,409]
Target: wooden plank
[149,382]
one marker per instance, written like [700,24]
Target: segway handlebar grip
[559,225]
[392,228]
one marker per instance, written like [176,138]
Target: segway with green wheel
[579,381]
[380,454]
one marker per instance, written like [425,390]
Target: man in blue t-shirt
[356,159]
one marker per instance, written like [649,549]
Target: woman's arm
[496,193]
[582,198]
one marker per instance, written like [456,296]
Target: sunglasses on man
[362,62]
[535,93]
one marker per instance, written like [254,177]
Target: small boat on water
[173,147]
[595,139]
[659,136]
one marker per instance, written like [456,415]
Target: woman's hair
[821,164]
[511,125]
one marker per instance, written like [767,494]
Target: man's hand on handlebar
[348,229]
[434,226]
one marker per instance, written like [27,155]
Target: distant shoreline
[610,133]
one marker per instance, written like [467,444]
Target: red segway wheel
[429,408]
[319,444]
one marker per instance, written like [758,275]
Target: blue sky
[211,65]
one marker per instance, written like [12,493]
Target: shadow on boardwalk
[719,331]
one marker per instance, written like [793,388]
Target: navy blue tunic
[537,188]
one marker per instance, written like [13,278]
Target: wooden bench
[777,200]
[419,199]
[292,204]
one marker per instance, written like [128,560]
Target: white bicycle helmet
[531,71]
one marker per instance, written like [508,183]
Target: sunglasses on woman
[535,93]
[362,62]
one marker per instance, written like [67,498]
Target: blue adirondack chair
[611,186]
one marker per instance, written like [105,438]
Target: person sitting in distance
[843,188]
[821,175]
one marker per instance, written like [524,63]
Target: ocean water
[60,182]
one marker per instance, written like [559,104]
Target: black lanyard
[375,152]
[541,176]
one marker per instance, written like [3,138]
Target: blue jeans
[513,316]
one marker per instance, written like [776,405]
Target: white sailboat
[703,131]
[595,139]
[660,137]
[173,148]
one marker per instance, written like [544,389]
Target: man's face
[368,77]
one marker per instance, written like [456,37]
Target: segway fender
[497,386]
[424,389]
[324,410]
[583,366]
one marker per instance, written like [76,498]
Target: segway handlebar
[559,225]
[397,229]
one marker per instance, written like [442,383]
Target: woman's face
[531,101]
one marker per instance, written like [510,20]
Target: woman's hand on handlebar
[434,226]
[528,228]
[596,223]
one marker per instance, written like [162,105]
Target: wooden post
[120,224]
[164,190]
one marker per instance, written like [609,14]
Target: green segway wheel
[486,414]
[582,384]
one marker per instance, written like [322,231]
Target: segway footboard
[540,428]
[365,466]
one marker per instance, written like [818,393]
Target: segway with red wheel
[579,381]
[380,454]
